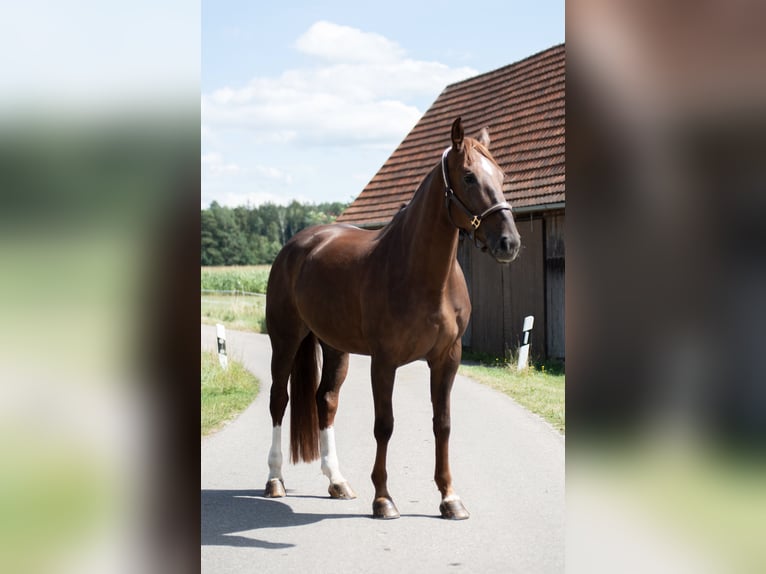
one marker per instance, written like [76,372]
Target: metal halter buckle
[475,222]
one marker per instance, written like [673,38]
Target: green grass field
[225,393]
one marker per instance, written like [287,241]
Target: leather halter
[449,196]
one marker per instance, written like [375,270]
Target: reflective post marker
[529,322]
[221,334]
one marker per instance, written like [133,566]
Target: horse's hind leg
[334,370]
[283,354]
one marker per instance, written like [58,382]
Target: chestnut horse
[397,294]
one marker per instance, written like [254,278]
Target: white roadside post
[529,322]
[221,334]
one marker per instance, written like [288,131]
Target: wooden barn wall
[502,295]
[554,279]
[465,259]
[525,287]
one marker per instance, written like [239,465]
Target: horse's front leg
[383,375]
[443,372]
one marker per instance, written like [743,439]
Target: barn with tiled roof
[523,105]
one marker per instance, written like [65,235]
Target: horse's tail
[304,421]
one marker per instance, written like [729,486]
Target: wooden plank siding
[525,294]
[502,295]
[554,285]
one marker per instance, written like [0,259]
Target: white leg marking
[451,498]
[330,466]
[275,454]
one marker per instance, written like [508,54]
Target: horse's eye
[469,178]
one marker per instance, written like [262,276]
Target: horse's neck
[430,239]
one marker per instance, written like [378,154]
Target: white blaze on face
[487,166]
[492,172]
[275,454]
[330,466]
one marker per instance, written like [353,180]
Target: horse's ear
[457,134]
[484,137]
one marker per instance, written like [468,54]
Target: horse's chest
[415,330]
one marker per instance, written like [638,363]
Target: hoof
[275,488]
[453,510]
[384,508]
[341,490]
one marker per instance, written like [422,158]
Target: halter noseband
[449,196]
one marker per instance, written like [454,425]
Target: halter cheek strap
[449,197]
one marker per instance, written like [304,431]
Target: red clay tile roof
[523,105]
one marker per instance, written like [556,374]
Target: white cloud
[360,93]
[344,44]
[214,165]
[272,173]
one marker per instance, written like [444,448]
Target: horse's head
[474,194]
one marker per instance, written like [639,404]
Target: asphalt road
[507,466]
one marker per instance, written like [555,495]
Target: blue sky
[305,100]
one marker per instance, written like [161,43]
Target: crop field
[235,297]
[249,278]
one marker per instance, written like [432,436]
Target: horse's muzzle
[506,249]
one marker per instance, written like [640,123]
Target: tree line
[248,235]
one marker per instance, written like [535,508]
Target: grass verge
[225,393]
[535,388]
[239,312]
